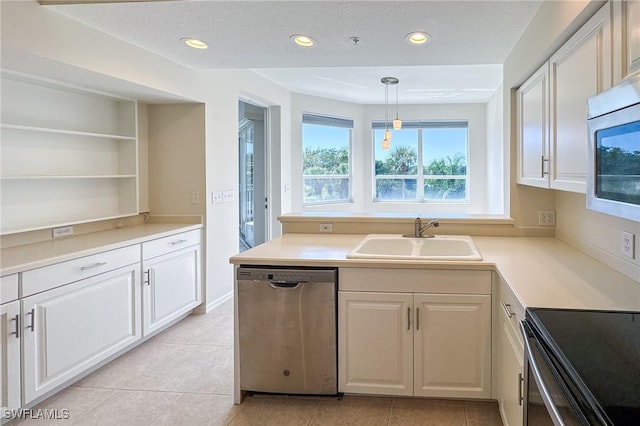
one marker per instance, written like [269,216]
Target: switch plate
[627,244]
[228,195]
[62,231]
[547,217]
[326,227]
[216,197]
[195,197]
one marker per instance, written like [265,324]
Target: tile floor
[184,376]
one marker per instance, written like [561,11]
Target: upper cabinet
[68,155]
[552,108]
[633,35]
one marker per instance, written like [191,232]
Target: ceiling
[462,63]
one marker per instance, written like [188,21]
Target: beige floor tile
[353,410]
[198,410]
[169,367]
[480,413]
[129,408]
[276,411]
[419,411]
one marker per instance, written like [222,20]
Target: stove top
[600,352]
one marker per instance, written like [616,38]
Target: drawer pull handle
[17,331]
[32,326]
[408,318]
[520,385]
[95,265]
[417,318]
[507,310]
[175,243]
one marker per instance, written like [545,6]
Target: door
[452,345]
[375,349]
[171,287]
[253,200]
[72,328]
[10,360]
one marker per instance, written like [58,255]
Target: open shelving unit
[67,155]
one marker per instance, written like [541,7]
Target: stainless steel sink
[439,247]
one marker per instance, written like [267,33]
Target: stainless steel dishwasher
[287,326]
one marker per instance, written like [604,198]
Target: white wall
[497,201]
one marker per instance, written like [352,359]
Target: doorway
[253,175]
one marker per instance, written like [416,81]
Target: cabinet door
[375,343]
[171,287]
[511,380]
[533,129]
[580,69]
[10,360]
[633,35]
[452,345]
[72,328]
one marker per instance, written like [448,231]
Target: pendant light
[386,142]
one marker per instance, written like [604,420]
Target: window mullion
[420,178]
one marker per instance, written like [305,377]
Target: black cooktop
[600,352]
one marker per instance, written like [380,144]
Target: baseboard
[215,303]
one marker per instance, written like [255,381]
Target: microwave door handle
[544,392]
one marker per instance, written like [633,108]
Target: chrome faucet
[419,228]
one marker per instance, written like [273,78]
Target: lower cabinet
[171,286]
[10,359]
[71,328]
[509,313]
[420,344]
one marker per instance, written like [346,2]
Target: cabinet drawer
[415,280]
[510,309]
[48,277]
[8,288]
[171,243]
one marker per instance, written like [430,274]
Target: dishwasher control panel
[287,275]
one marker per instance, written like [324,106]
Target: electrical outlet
[63,231]
[326,227]
[627,244]
[547,217]
[216,197]
[228,195]
[195,197]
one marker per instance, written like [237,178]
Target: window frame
[328,121]
[420,177]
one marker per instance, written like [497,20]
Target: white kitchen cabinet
[452,345]
[71,328]
[68,155]
[375,343]
[172,279]
[581,68]
[511,351]
[405,342]
[633,35]
[551,108]
[10,360]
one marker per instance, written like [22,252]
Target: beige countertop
[542,272]
[30,256]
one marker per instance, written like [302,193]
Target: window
[326,157]
[427,162]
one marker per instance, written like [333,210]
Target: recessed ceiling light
[194,43]
[302,40]
[417,37]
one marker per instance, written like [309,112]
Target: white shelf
[67,155]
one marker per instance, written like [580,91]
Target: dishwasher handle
[285,284]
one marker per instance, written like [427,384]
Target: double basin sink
[439,247]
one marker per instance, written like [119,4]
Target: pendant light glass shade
[397,123]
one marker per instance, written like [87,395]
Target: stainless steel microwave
[613,176]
